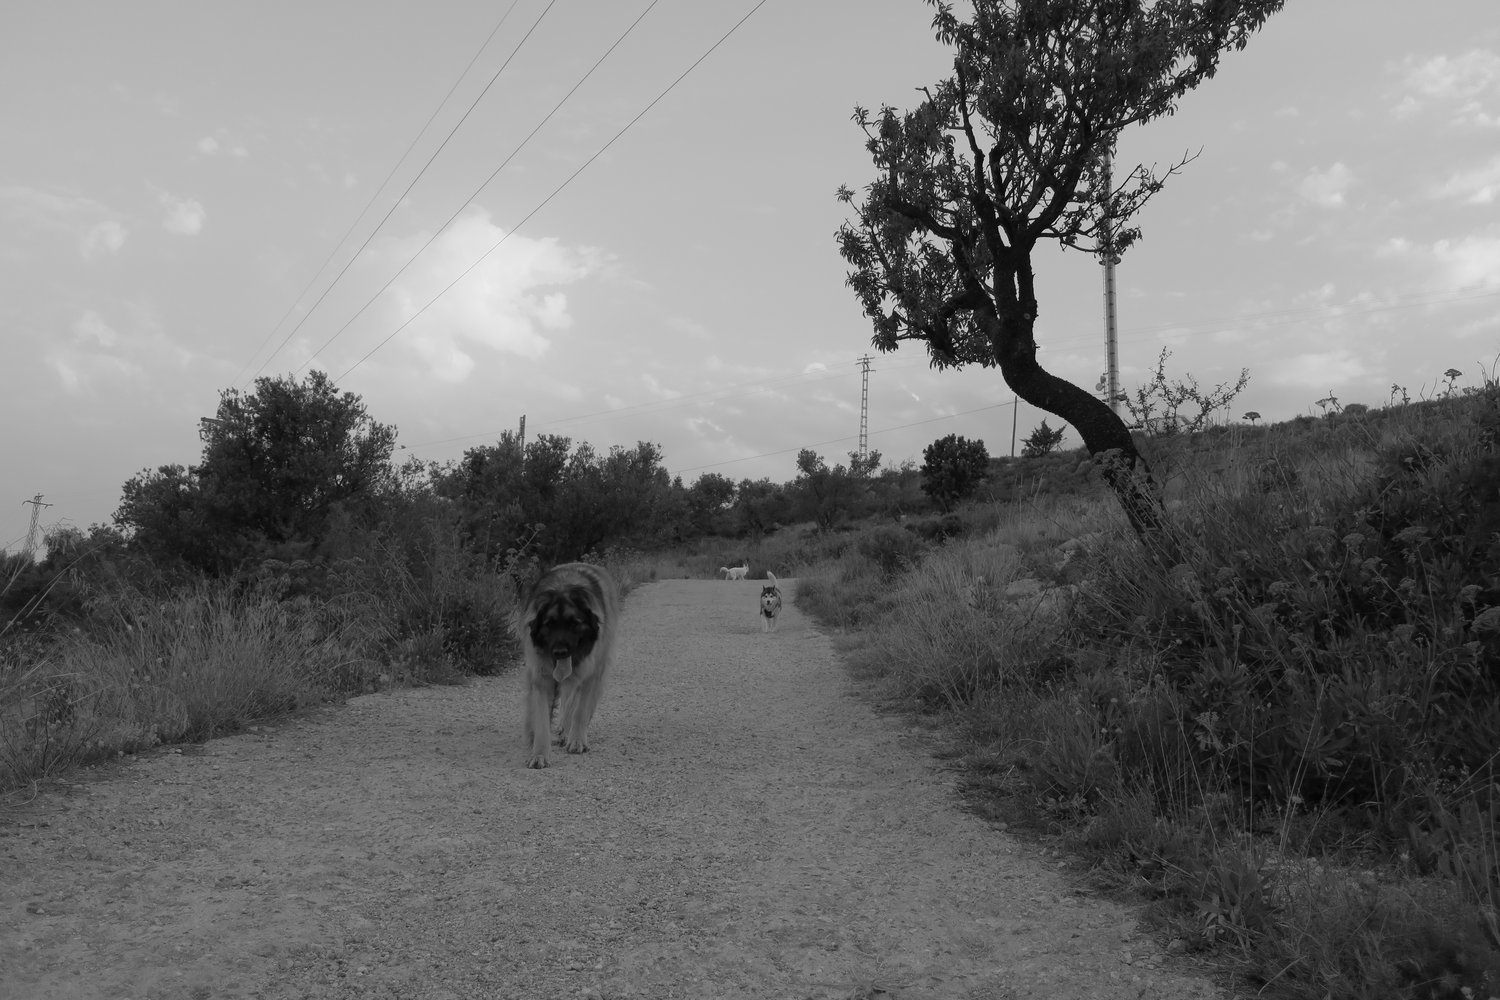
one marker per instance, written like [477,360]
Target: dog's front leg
[539,719]
[574,730]
[567,698]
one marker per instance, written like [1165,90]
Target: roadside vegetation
[1284,738]
[296,563]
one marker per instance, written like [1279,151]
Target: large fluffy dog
[735,572]
[567,634]
[770,603]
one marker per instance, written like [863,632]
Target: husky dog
[770,604]
[735,572]
[567,637]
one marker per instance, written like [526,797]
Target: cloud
[1471,262]
[91,327]
[46,207]
[90,223]
[707,430]
[1326,188]
[1320,370]
[90,355]
[1477,186]
[221,142]
[106,237]
[185,216]
[507,302]
[656,389]
[691,327]
[1468,264]
[1464,83]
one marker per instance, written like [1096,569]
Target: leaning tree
[1012,150]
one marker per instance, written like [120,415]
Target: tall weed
[183,668]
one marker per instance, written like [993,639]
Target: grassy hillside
[1286,740]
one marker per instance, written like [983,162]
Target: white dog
[735,572]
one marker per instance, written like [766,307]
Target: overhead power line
[475,193]
[397,203]
[557,190]
[331,253]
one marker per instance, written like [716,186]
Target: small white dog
[735,572]
[770,604]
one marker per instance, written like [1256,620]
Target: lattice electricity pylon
[864,409]
[36,510]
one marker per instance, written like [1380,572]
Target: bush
[952,469]
[936,530]
[892,550]
[1342,649]
[1042,441]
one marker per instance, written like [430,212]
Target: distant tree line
[297,483]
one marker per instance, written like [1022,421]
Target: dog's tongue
[562,668]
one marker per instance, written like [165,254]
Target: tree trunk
[1103,432]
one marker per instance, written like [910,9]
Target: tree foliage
[563,500]
[708,504]
[1011,151]
[761,506]
[276,463]
[952,468]
[828,495]
[1042,441]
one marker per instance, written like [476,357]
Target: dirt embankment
[745,827]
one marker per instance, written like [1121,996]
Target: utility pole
[521,437]
[1015,410]
[864,409]
[36,510]
[1109,260]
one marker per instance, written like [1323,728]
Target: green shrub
[892,550]
[952,469]
[1334,650]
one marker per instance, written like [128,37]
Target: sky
[194,195]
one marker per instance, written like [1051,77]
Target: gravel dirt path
[746,826]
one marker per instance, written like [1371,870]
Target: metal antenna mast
[1110,259]
[864,409]
[36,510]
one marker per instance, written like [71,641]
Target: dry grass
[180,669]
[1246,739]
